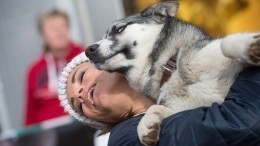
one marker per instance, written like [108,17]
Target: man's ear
[168,8]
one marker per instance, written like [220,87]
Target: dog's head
[128,42]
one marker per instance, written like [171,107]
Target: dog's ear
[168,8]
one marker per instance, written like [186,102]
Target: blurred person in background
[41,85]
[41,93]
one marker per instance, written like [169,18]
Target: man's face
[99,95]
[55,32]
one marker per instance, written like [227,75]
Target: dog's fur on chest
[139,45]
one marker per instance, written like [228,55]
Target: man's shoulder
[37,64]
[74,50]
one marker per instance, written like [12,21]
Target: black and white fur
[139,45]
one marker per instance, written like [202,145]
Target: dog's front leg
[242,46]
[149,126]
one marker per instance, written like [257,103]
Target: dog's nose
[92,49]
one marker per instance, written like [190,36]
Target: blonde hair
[50,14]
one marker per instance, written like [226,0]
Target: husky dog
[204,68]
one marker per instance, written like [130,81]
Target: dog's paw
[149,127]
[243,46]
[148,130]
[150,134]
[254,50]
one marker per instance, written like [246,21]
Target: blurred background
[25,46]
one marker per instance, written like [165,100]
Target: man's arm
[125,133]
[235,122]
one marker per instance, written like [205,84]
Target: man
[41,85]
[41,96]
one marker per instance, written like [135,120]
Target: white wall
[101,14]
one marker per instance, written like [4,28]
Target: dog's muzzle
[92,53]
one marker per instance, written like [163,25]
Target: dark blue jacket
[236,122]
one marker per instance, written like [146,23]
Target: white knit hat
[62,92]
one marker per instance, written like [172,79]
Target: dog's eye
[121,29]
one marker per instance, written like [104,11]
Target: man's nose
[79,95]
[91,50]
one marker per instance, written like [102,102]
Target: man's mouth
[91,93]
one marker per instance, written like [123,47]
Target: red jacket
[40,109]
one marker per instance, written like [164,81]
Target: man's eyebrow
[73,76]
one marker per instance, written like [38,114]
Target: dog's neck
[168,69]
[185,34]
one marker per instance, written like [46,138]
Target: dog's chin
[103,63]
[97,62]
[122,70]
[102,66]
[99,66]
